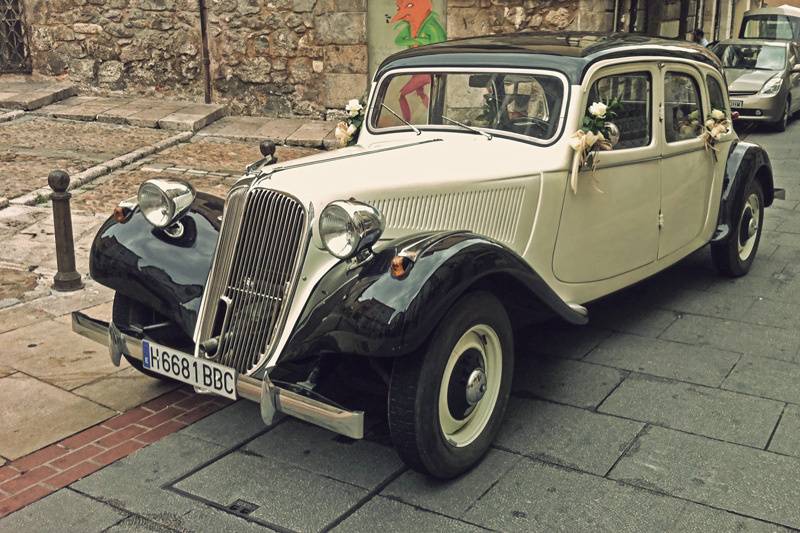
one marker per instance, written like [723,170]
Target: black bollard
[67,278]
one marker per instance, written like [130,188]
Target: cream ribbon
[584,143]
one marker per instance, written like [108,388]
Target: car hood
[449,162]
[744,80]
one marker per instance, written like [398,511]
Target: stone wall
[137,46]
[277,57]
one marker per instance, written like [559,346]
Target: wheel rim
[470,385]
[749,226]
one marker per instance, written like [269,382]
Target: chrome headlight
[347,228]
[773,85]
[164,201]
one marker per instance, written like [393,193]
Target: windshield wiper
[401,119]
[469,128]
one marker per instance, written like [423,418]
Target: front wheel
[446,404]
[735,255]
[783,123]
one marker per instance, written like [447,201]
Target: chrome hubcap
[476,386]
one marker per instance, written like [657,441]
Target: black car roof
[570,53]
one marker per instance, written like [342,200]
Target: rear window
[767,27]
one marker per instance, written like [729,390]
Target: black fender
[746,161]
[362,310]
[165,274]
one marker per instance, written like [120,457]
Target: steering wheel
[524,124]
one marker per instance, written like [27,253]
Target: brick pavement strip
[43,472]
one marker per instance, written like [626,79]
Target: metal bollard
[67,278]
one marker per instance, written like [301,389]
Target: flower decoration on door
[597,133]
[716,125]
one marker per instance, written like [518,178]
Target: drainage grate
[13,39]
[242,507]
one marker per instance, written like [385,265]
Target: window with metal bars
[14,56]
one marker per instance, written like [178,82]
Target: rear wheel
[446,404]
[128,312]
[735,255]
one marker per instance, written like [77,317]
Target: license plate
[189,369]
[737,104]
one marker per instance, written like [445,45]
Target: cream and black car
[458,217]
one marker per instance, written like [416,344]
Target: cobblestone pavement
[31,146]
[676,409]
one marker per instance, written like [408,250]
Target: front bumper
[272,399]
[758,108]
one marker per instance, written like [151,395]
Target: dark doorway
[14,55]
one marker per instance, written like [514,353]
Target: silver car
[763,79]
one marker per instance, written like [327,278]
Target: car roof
[779,10]
[759,42]
[571,53]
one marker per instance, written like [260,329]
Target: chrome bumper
[273,399]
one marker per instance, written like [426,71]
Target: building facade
[297,57]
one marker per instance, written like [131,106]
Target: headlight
[347,228]
[773,86]
[163,201]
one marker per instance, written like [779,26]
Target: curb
[11,115]
[87,176]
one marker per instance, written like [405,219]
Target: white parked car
[495,182]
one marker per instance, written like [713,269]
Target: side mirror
[613,133]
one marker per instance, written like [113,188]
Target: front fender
[746,161]
[364,311]
[165,274]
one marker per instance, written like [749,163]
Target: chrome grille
[258,257]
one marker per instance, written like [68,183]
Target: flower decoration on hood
[347,130]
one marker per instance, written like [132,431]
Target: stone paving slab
[451,498]
[539,497]
[564,381]
[565,435]
[768,378]
[556,339]
[739,479]
[309,447]
[293,132]
[388,515]
[292,497]
[703,365]
[739,337]
[58,414]
[29,95]
[125,389]
[695,409]
[141,112]
[787,437]
[64,511]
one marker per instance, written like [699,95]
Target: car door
[687,168]
[610,226]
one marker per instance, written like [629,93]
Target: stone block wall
[147,47]
[278,57]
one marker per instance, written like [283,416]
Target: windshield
[752,56]
[767,27]
[523,104]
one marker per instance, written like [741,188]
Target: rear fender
[746,162]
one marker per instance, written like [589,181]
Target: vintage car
[763,79]
[470,205]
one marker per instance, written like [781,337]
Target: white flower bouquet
[347,130]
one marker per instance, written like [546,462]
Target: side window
[683,113]
[716,94]
[634,92]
